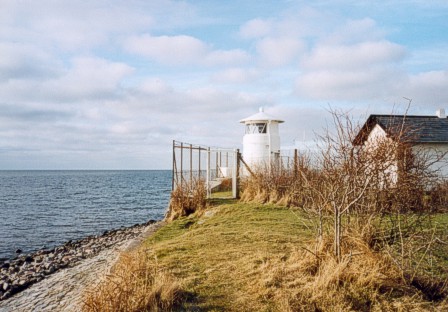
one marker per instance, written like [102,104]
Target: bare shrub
[386,185]
[136,284]
[437,198]
[187,198]
[276,184]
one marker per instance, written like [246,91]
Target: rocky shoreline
[21,272]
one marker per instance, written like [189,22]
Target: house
[424,135]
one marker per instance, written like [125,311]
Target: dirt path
[63,290]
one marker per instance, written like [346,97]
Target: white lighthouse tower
[261,141]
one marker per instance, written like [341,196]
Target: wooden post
[296,164]
[237,175]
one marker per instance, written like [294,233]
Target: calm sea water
[46,208]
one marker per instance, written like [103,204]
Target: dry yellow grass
[252,257]
[136,284]
[363,281]
[187,198]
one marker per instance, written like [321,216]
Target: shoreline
[19,273]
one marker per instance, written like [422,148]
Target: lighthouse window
[256,128]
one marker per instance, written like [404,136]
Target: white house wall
[389,170]
[434,152]
[376,134]
[437,154]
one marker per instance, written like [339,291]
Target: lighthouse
[261,141]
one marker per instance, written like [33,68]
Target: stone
[6,265]
[28,259]
[38,259]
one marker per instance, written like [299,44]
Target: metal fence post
[207,181]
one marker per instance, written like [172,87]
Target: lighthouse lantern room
[261,141]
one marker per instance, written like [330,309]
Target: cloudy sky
[105,84]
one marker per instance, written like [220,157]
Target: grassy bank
[222,256]
[251,257]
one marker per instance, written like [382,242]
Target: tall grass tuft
[362,280]
[187,198]
[136,284]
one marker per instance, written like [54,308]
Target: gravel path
[63,290]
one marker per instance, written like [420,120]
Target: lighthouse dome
[260,116]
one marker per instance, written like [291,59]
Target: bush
[187,198]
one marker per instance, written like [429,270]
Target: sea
[44,209]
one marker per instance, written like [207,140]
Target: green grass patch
[231,256]
[221,255]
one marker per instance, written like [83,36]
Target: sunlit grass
[221,255]
[251,257]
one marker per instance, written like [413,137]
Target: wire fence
[217,167]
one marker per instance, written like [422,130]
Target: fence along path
[217,167]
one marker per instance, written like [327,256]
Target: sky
[108,84]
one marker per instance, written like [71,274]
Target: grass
[221,256]
[222,194]
[251,257]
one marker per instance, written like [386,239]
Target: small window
[261,127]
[256,128]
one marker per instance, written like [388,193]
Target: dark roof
[413,129]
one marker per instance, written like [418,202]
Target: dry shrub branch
[385,184]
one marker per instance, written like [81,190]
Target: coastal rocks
[19,273]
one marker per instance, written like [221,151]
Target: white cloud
[354,31]
[171,50]
[92,77]
[155,86]
[229,57]
[101,78]
[357,56]
[70,25]
[182,50]
[429,88]
[256,28]
[361,85]
[85,78]
[279,51]
[25,61]
[352,63]
[236,75]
